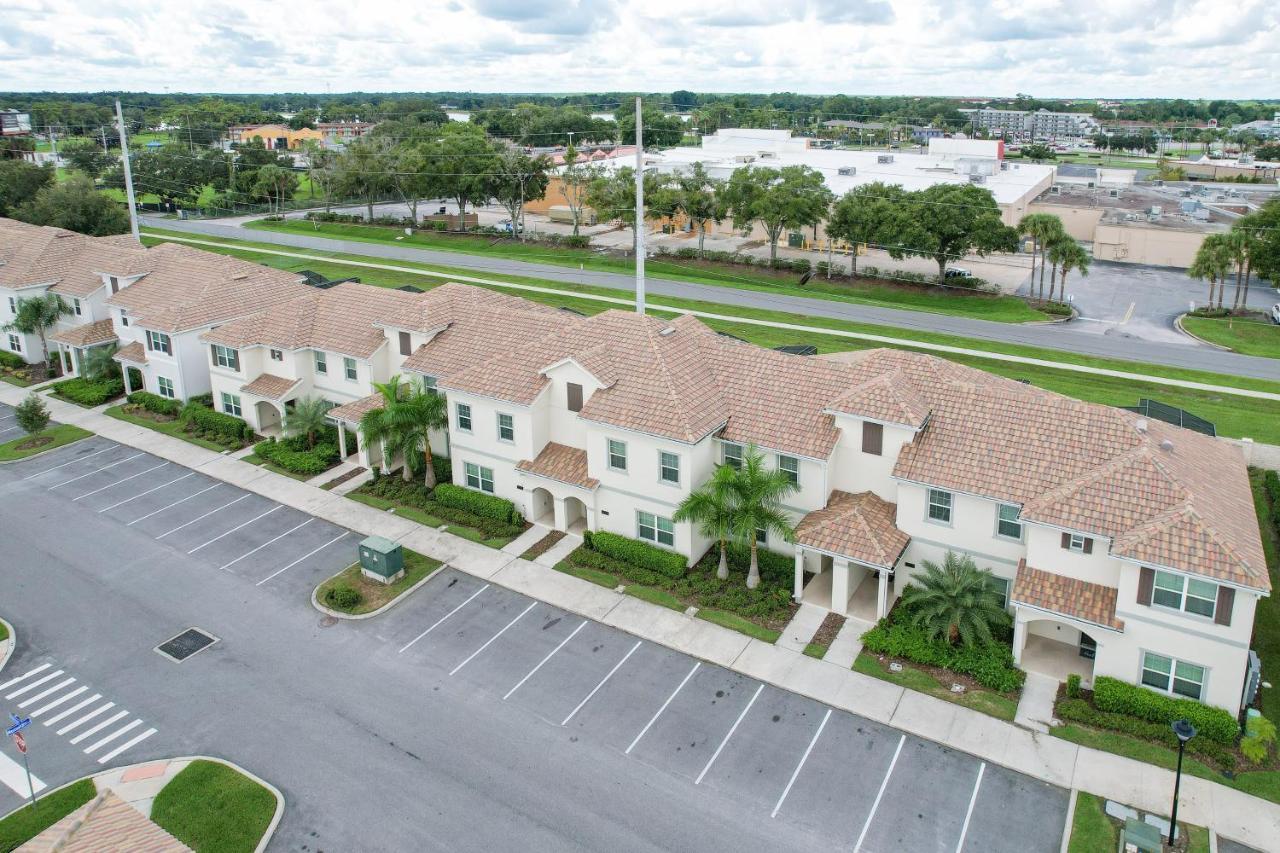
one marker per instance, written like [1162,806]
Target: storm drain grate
[186,644]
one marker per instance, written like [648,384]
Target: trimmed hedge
[292,454]
[1118,697]
[156,404]
[1080,711]
[477,503]
[990,665]
[12,360]
[222,425]
[87,392]
[415,495]
[637,553]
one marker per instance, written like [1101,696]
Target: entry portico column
[342,441]
[799,588]
[1019,639]
[882,597]
[840,586]
[128,386]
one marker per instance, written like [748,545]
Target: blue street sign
[18,725]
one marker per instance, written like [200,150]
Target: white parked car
[1275,313]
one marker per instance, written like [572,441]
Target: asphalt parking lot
[9,429]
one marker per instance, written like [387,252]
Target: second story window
[13,305]
[1007,523]
[277,355]
[1190,595]
[733,454]
[617,455]
[464,417]
[115,284]
[668,467]
[226,357]
[76,307]
[1077,542]
[429,385]
[322,366]
[158,342]
[506,428]
[940,506]
[574,393]
[790,466]
[349,368]
[406,344]
[124,318]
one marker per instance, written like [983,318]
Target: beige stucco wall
[1079,222]
[1138,244]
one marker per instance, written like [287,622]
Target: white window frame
[651,527]
[1172,676]
[793,475]
[322,363]
[13,305]
[948,505]
[1001,520]
[731,454]
[231,405]
[15,342]
[124,317]
[462,412]
[1183,591]
[276,354]
[226,358]
[509,426]
[159,342]
[76,307]
[668,461]
[164,385]
[610,454]
[1075,542]
[1002,586]
[350,370]
[478,477]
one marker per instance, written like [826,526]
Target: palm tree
[1042,228]
[712,507]
[1212,263]
[956,600]
[404,424]
[99,365]
[308,417]
[35,316]
[1071,256]
[1241,240]
[758,494]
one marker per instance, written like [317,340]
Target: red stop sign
[20,742]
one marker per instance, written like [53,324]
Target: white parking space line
[490,641]
[862,836]
[86,718]
[549,656]
[134,741]
[201,517]
[10,429]
[658,714]
[234,529]
[95,471]
[12,681]
[118,482]
[734,728]
[342,535]
[61,700]
[31,700]
[968,815]
[172,505]
[147,492]
[26,688]
[225,566]
[72,462]
[90,732]
[602,683]
[57,718]
[89,750]
[441,620]
[803,759]
[14,777]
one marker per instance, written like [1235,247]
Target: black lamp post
[1185,732]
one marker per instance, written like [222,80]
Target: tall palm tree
[712,508]
[956,600]
[308,417]
[404,424]
[1071,256]
[1212,263]
[1042,228]
[758,493]
[36,315]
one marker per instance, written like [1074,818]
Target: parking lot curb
[38,454]
[9,645]
[355,617]
[1177,324]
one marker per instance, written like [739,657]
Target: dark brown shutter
[1146,583]
[405,344]
[1226,600]
[1088,545]
[872,438]
[575,396]
[213,356]
[1066,541]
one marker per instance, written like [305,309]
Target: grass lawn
[15,379]
[1005,309]
[425,518]
[587,573]
[372,593]
[26,823]
[1091,830]
[741,624]
[1251,337]
[655,596]
[816,650]
[1234,416]
[4,632]
[173,428]
[986,701]
[1266,618]
[214,809]
[30,445]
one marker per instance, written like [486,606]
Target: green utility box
[1141,836]
[795,240]
[381,560]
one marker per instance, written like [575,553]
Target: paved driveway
[468,717]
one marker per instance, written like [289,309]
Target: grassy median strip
[213,808]
[26,823]
[986,701]
[1247,336]
[741,624]
[1266,619]
[47,439]
[374,594]
[1091,830]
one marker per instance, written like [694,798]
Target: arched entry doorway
[575,516]
[542,507]
[268,418]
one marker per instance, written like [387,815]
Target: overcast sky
[1103,48]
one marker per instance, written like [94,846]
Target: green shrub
[1118,697]
[11,360]
[89,393]
[343,597]
[477,503]
[222,425]
[1057,309]
[1080,711]
[1211,312]
[155,403]
[577,241]
[205,400]
[990,665]
[298,459]
[31,414]
[414,494]
[1260,733]
[440,464]
[639,554]
[1073,686]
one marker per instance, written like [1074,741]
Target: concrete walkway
[1035,707]
[802,627]
[1230,812]
[526,540]
[559,551]
[1062,336]
[845,647]
[139,784]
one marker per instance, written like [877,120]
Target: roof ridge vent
[1166,446]
[240,277]
[667,330]
[1140,425]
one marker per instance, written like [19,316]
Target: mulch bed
[350,475]
[35,441]
[828,629]
[543,545]
[945,677]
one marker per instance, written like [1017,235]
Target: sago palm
[956,600]
[712,509]
[404,424]
[308,418]
[99,365]
[758,493]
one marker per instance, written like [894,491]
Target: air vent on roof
[240,277]
[884,158]
[1166,446]
[409,288]
[1140,424]
[667,330]
[847,171]
[977,179]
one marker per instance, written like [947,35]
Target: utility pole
[53,144]
[639,211]
[128,175]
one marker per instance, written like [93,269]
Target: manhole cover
[186,644]
[328,621]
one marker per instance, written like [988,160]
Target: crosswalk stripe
[31,700]
[118,482]
[134,741]
[86,718]
[237,527]
[88,750]
[33,685]
[15,778]
[67,713]
[147,492]
[72,462]
[12,681]
[61,700]
[90,732]
[172,505]
[94,471]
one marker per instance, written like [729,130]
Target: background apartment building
[1040,124]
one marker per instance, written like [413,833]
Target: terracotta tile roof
[133,352]
[270,387]
[557,462]
[72,263]
[861,527]
[351,413]
[103,825]
[87,334]
[1088,602]
[888,397]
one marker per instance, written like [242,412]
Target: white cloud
[1112,48]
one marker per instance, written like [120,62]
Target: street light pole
[639,210]
[1185,732]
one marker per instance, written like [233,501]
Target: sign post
[15,731]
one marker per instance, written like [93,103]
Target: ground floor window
[231,404]
[1001,586]
[1170,675]
[479,477]
[655,528]
[165,385]
[15,343]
